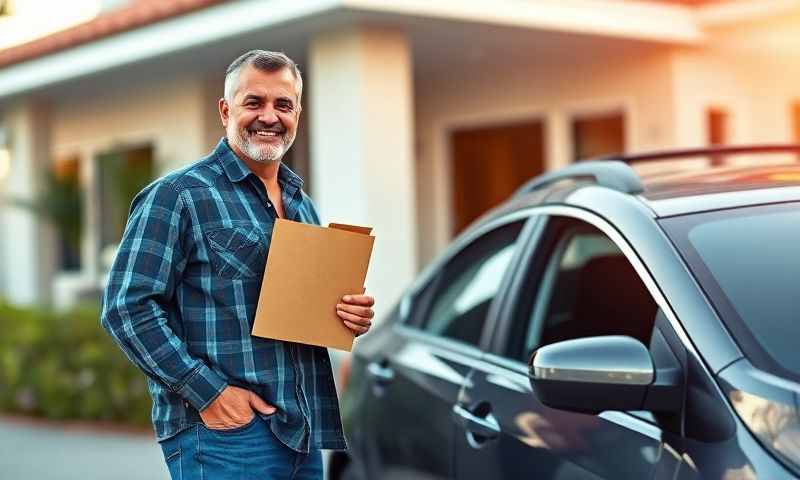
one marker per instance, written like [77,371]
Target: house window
[122,173]
[598,135]
[65,196]
[6,8]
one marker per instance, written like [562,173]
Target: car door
[417,370]
[576,282]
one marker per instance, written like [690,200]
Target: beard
[243,137]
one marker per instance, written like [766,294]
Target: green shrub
[63,365]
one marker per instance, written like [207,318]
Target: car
[632,317]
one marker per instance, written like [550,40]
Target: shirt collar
[237,170]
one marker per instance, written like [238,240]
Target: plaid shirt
[182,294]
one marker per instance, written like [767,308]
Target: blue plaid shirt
[182,294]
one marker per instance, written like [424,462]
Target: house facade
[417,116]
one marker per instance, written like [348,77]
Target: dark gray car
[600,324]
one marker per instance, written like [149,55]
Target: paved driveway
[46,451]
[42,452]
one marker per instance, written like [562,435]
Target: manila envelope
[309,269]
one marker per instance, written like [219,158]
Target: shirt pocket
[236,252]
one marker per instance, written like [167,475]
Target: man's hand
[233,408]
[356,312]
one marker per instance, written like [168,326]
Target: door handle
[486,426]
[381,372]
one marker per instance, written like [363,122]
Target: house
[418,115]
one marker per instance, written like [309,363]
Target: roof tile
[138,14]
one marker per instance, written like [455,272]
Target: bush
[63,365]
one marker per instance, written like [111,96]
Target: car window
[746,261]
[580,285]
[464,288]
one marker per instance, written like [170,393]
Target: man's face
[261,120]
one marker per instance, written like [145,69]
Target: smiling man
[183,290]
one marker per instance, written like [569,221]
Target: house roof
[136,14]
[139,13]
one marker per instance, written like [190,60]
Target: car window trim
[545,286]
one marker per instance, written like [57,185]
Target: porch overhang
[640,21]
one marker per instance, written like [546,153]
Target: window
[463,290]
[757,294]
[583,286]
[122,174]
[66,199]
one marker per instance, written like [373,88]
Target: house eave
[659,23]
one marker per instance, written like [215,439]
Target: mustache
[276,127]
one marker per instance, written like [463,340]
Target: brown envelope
[309,269]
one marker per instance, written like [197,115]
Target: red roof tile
[138,14]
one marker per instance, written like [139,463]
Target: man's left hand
[356,312]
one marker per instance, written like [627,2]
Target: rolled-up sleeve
[140,293]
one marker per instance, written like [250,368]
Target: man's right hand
[233,408]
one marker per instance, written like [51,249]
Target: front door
[490,163]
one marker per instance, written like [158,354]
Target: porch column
[557,141]
[27,256]
[361,140]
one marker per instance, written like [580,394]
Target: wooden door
[490,163]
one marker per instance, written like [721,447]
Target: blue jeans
[248,452]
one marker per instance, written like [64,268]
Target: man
[183,290]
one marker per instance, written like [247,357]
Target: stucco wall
[636,79]
[751,70]
[171,115]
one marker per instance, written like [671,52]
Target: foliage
[59,201]
[65,366]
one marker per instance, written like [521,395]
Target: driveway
[43,451]
[47,451]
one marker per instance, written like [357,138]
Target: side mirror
[594,374]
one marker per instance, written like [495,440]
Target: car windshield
[748,262]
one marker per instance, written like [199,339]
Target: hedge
[63,365]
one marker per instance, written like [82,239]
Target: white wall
[636,79]
[26,241]
[169,114]
[752,70]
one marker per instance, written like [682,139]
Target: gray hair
[263,60]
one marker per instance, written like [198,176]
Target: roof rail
[704,151]
[607,173]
